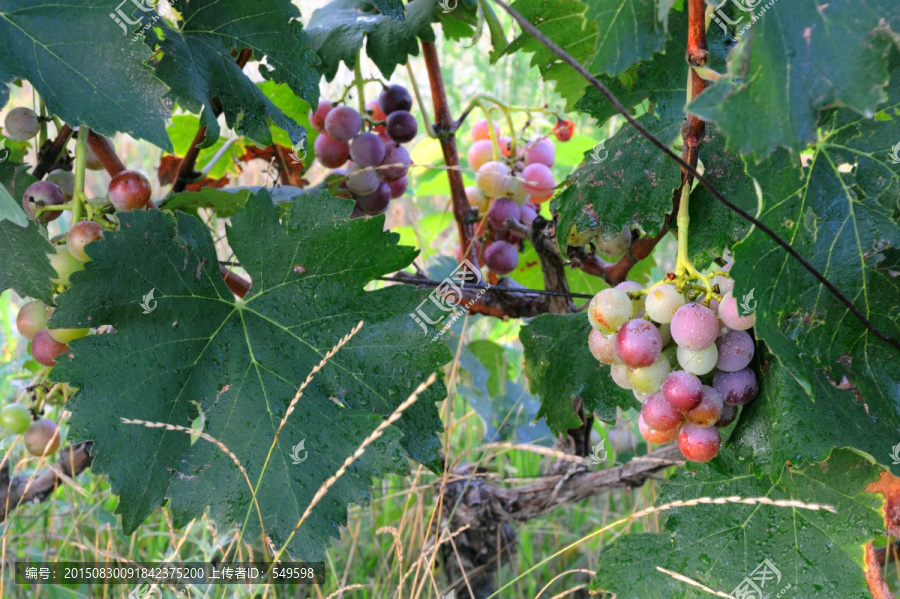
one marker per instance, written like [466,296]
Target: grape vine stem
[661,146]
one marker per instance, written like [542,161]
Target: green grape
[15,418]
[698,361]
[649,379]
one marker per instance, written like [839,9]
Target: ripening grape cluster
[686,362]
[128,190]
[512,180]
[378,162]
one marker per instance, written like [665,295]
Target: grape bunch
[687,362]
[378,163]
[513,178]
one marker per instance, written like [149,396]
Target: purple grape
[529,213]
[738,388]
[694,326]
[638,343]
[394,97]
[401,126]
[500,210]
[501,257]
[658,414]
[375,202]
[343,123]
[682,390]
[40,194]
[729,413]
[395,154]
[317,118]
[735,351]
[398,186]
[367,149]
[331,152]
[361,182]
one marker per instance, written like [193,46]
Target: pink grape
[738,388]
[481,130]
[709,410]
[682,390]
[632,287]
[729,413]
[398,186]
[529,213]
[541,197]
[331,152]
[480,152]
[317,118]
[658,414]
[45,348]
[367,149]
[501,257]
[694,326]
[728,312]
[375,202]
[500,210]
[395,155]
[638,343]
[699,444]
[401,126]
[656,436]
[394,97]
[603,347]
[343,123]
[361,182]
[735,351]
[538,178]
[541,152]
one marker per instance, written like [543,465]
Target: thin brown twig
[49,155]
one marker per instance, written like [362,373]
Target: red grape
[393,98]
[42,437]
[501,257]
[81,234]
[735,351]
[367,149]
[375,202]
[738,388]
[638,343]
[656,436]
[398,186]
[658,414]
[343,123]
[564,129]
[694,326]
[317,118]
[401,126]
[682,390]
[699,444]
[398,156]
[481,130]
[709,410]
[129,190]
[500,210]
[331,152]
[40,194]
[45,348]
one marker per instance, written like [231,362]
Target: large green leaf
[629,182]
[563,21]
[24,266]
[816,553]
[629,31]
[240,362]
[339,28]
[198,65]
[798,58]
[85,68]
[560,368]
[841,212]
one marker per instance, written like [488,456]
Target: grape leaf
[108,88]
[815,553]
[240,362]
[390,8]
[198,65]
[630,182]
[223,200]
[560,367]
[629,31]
[801,56]
[16,177]
[337,31]
[25,266]
[563,21]
[841,213]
